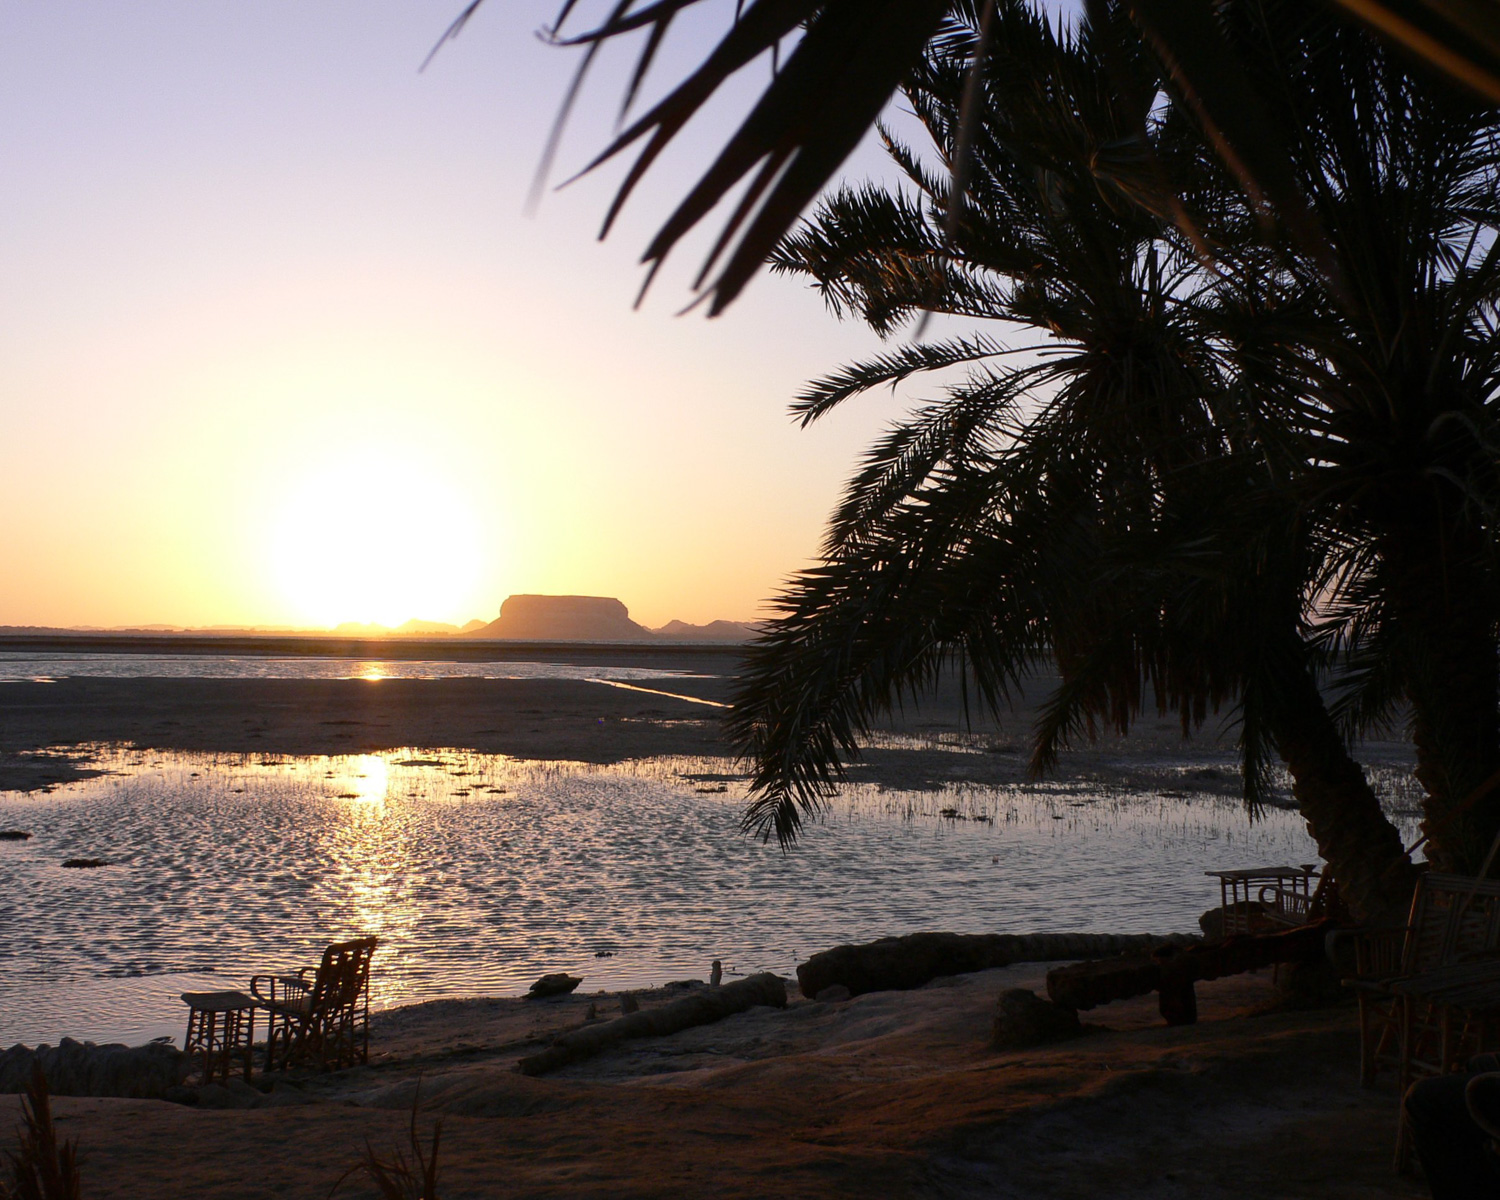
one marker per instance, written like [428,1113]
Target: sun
[374,537]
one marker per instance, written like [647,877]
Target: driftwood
[900,963]
[703,1007]
[1171,971]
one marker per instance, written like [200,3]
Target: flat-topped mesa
[564,619]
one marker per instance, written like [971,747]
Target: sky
[280,345]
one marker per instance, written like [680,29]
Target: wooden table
[221,1028]
[1284,892]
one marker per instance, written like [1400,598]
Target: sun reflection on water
[367,780]
[368,852]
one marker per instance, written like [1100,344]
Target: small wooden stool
[221,1027]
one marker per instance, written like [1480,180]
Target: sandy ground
[889,1094]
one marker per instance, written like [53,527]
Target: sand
[889,1094]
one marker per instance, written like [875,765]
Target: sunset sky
[278,344]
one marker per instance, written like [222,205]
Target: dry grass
[396,1177]
[41,1168]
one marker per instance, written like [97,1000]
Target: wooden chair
[1454,919]
[325,1019]
[1264,899]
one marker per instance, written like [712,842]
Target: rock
[13,835]
[243,1091]
[833,994]
[181,1094]
[84,864]
[75,1068]
[216,1095]
[1023,1018]
[284,1095]
[558,984]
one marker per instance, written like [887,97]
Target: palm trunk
[1446,623]
[1456,731]
[1361,846]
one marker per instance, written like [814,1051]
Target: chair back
[343,977]
[1454,918]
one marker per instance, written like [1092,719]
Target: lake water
[28,666]
[480,873]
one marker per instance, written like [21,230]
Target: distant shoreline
[436,647]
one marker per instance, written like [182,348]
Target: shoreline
[436,647]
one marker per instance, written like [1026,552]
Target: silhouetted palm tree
[1396,443]
[853,55]
[1203,502]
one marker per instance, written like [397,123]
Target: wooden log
[700,1008]
[901,963]
[1085,985]
[1172,971]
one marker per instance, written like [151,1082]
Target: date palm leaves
[1175,503]
[851,56]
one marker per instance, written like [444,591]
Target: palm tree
[853,55]
[1395,434]
[1123,529]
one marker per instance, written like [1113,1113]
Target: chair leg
[1366,1051]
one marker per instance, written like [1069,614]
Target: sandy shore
[889,1094]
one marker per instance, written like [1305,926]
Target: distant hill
[714,631]
[564,619]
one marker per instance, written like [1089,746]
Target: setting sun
[372,537]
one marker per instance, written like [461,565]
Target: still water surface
[26,666]
[480,873]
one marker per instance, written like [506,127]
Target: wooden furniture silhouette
[221,1029]
[1260,899]
[1454,920]
[322,1020]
